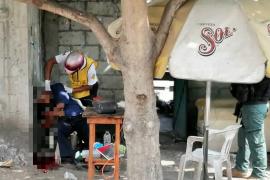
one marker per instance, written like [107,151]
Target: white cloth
[47,85]
[92,75]
[62,57]
[258,14]
[80,103]
[68,89]
[217,44]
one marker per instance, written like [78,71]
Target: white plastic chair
[215,157]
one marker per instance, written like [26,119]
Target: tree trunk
[141,126]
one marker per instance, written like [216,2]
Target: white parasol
[217,44]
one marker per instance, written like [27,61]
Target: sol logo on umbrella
[212,37]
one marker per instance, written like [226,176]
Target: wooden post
[92,135]
[116,151]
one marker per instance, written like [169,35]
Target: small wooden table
[94,118]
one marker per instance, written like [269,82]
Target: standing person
[72,121]
[81,71]
[251,141]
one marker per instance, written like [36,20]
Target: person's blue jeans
[251,141]
[65,127]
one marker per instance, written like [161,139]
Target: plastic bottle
[70,176]
[107,138]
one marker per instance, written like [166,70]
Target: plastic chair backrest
[228,134]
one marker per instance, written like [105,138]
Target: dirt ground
[170,155]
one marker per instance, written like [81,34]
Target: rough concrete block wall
[17,43]
[16,68]
[65,35]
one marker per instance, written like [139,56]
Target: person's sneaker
[237,173]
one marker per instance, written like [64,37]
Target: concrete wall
[19,38]
[61,34]
[19,54]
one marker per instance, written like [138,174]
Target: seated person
[72,121]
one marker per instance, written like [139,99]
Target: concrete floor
[170,155]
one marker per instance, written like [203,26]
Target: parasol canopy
[217,43]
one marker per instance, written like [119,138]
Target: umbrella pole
[206,125]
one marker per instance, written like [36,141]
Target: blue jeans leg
[83,132]
[243,154]
[64,131]
[253,131]
[258,152]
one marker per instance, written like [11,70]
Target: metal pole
[206,125]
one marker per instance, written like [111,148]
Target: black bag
[241,92]
[237,111]
[258,92]
[261,91]
[105,107]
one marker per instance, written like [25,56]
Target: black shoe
[67,160]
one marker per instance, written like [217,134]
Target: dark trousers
[66,126]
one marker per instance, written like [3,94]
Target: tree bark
[141,124]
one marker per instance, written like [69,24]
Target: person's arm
[82,88]
[48,68]
[48,71]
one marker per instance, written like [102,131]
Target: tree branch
[109,45]
[165,23]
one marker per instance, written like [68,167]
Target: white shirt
[92,75]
